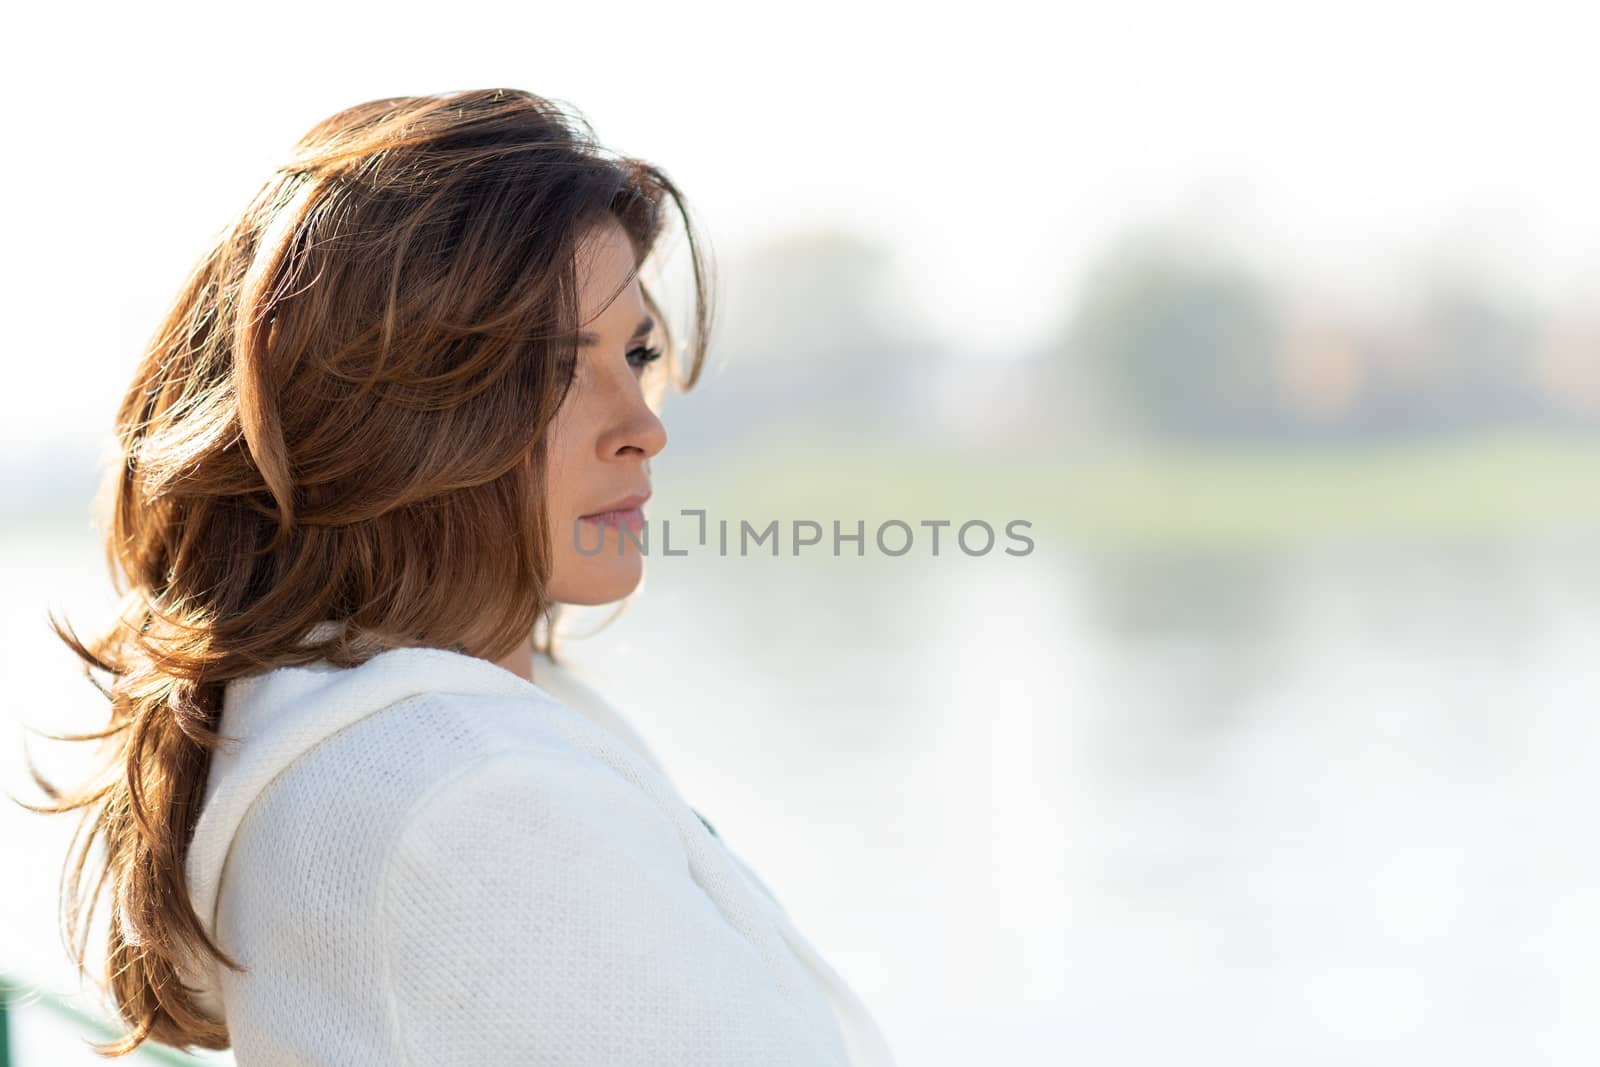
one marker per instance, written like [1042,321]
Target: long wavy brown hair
[342,418]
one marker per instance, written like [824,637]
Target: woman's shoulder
[501,902]
[448,783]
[329,766]
[510,847]
[418,847]
[420,743]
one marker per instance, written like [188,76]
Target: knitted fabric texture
[428,859]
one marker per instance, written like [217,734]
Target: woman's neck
[519,661]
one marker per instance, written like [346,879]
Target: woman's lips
[632,518]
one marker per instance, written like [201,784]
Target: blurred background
[1278,322]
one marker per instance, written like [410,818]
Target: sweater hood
[271,719]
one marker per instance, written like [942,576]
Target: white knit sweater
[427,859]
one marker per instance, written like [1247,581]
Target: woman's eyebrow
[646,324]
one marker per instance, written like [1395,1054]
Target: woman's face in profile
[605,433]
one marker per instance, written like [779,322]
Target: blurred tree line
[1167,339]
[1181,343]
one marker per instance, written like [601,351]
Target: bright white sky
[994,147]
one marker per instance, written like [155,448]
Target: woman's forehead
[605,257]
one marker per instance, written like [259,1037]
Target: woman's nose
[633,426]
[650,437]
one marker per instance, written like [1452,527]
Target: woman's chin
[602,584]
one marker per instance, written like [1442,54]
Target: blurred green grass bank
[1482,487]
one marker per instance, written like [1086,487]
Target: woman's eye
[643,356]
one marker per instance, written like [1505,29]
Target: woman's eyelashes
[644,355]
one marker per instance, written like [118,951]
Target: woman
[357,811]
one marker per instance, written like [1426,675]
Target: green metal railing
[14,994]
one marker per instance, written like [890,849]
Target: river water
[1325,806]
